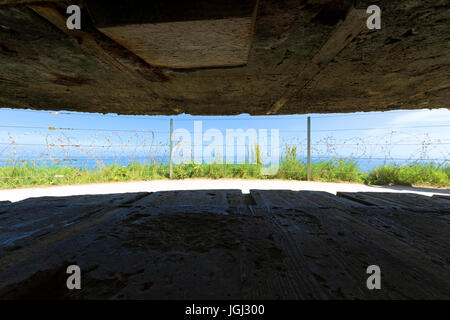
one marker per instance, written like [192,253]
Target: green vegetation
[28,175]
[327,171]
[413,174]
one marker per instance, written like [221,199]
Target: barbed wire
[147,131]
[323,157]
[201,145]
[125,146]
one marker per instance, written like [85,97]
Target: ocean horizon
[92,163]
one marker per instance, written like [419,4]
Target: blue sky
[409,134]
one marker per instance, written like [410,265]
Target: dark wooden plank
[194,197]
[446,199]
[26,222]
[429,233]
[407,199]
[264,263]
[319,273]
[337,248]
[174,252]
[367,199]
[3,206]
[281,198]
[296,277]
[328,200]
[407,272]
[293,199]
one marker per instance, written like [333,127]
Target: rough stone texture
[221,244]
[404,65]
[29,220]
[405,200]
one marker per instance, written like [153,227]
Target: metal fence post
[171,150]
[308,165]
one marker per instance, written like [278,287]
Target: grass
[413,174]
[29,175]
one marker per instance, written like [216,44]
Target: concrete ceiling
[224,57]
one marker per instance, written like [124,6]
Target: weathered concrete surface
[29,220]
[392,199]
[404,65]
[221,244]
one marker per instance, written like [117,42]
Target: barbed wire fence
[94,148]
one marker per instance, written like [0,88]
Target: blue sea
[365,164]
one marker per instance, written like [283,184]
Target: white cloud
[422,117]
